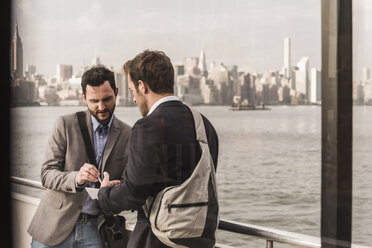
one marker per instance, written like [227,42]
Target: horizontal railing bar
[267,233]
[26,182]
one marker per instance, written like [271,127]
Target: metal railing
[271,235]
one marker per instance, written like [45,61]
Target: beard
[102,121]
[142,104]
[143,108]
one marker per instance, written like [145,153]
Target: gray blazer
[61,203]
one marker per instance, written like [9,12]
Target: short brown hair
[96,76]
[154,68]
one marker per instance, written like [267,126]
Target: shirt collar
[95,123]
[162,100]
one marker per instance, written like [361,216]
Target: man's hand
[106,181]
[87,172]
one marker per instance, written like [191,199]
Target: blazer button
[69,189]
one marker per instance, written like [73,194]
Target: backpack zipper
[157,213]
[186,205]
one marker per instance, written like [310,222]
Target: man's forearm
[116,199]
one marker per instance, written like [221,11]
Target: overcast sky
[247,33]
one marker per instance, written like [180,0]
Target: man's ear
[83,95]
[142,87]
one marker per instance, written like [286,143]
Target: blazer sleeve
[53,175]
[143,172]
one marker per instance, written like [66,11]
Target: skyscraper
[96,61]
[287,57]
[30,71]
[191,65]
[16,57]
[303,77]
[316,85]
[64,72]
[203,64]
[366,74]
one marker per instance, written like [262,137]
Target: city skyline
[242,33]
[234,33]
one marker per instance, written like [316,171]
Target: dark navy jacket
[163,151]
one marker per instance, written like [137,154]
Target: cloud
[92,18]
[24,8]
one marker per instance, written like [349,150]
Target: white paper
[93,192]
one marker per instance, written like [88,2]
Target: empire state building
[16,57]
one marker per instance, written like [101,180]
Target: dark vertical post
[336,123]
[5,229]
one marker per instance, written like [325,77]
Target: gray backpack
[187,215]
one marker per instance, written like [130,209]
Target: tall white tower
[287,57]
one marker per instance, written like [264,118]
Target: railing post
[269,244]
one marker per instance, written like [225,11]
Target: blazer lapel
[111,140]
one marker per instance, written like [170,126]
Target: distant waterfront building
[16,56]
[188,90]
[273,94]
[301,81]
[247,88]
[30,71]
[303,78]
[259,91]
[124,95]
[303,64]
[316,85]
[209,91]
[358,92]
[191,66]
[287,57]
[81,71]
[202,65]
[74,83]
[178,71]
[96,61]
[366,74]
[52,80]
[64,72]
[233,81]
[119,80]
[293,77]
[219,73]
[367,92]
[284,96]
[39,80]
[48,94]
[23,92]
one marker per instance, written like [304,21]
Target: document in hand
[93,192]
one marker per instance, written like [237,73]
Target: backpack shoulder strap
[201,135]
[86,137]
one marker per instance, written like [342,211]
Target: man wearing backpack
[163,151]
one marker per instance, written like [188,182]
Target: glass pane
[250,55]
[362,122]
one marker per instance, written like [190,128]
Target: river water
[269,167]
